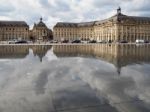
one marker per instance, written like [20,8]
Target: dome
[41,24]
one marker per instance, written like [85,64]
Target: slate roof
[13,24]
[86,24]
[116,18]
[65,24]
[41,24]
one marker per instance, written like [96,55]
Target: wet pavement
[75,78]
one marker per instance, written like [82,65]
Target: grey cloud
[62,6]
[105,3]
[59,6]
[44,2]
[65,10]
[4,8]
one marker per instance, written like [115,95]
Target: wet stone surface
[75,78]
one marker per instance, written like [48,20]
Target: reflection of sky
[72,85]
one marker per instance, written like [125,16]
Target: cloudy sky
[54,11]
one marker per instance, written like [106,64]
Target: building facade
[40,32]
[10,30]
[20,52]
[119,55]
[116,28]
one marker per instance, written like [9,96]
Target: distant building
[40,32]
[116,28]
[10,30]
[119,55]
[20,52]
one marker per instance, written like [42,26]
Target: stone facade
[20,52]
[119,55]
[10,30]
[116,28]
[40,32]
[19,30]
[73,31]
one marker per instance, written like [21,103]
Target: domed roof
[41,24]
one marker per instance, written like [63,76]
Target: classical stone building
[40,31]
[116,28]
[10,30]
[20,52]
[120,55]
[72,31]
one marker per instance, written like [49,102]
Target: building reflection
[119,55]
[21,51]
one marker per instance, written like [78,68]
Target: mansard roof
[13,24]
[84,24]
[146,19]
[65,24]
[119,17]
[114,18]
[124,17]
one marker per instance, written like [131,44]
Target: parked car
[84,42]
[146,41]
[65,41]
[123,41]
[21,42]
[103,41]
[92,41]
[54,41]
[76,41]
[139,41]
[30,42]
[12,41]
[99,41]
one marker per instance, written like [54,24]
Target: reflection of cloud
[4,60]
[121,89]
[28,85]
[50,55]
[41,82]
[140,76]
